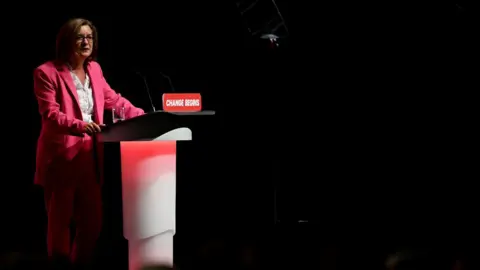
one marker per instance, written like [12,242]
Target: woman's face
[84,43]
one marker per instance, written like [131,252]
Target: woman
[72,95]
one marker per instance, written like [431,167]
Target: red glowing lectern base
[148,185]
[148,164]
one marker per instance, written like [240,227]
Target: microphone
[169,81]
[148,89]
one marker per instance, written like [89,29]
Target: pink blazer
[61,136]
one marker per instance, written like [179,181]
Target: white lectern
[148,164]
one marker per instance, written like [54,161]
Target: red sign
[182,102]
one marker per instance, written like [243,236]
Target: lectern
[148,165]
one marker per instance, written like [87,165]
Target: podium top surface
[149,126]
[189,113]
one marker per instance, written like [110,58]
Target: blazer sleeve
[49,108]
[114,100]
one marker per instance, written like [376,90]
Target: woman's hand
[92,128]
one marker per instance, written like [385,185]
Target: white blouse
[85,96]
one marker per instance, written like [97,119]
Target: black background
[374,102]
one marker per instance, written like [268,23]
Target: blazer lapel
[67,78]
[94,83]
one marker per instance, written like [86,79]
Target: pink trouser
[73,192]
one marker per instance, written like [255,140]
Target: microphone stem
[148,90]
[169,81]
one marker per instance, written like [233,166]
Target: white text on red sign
[182,102]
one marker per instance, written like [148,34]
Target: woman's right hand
[92,128]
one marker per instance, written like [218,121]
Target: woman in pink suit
[72,95]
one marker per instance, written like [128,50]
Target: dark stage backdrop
[388,99]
